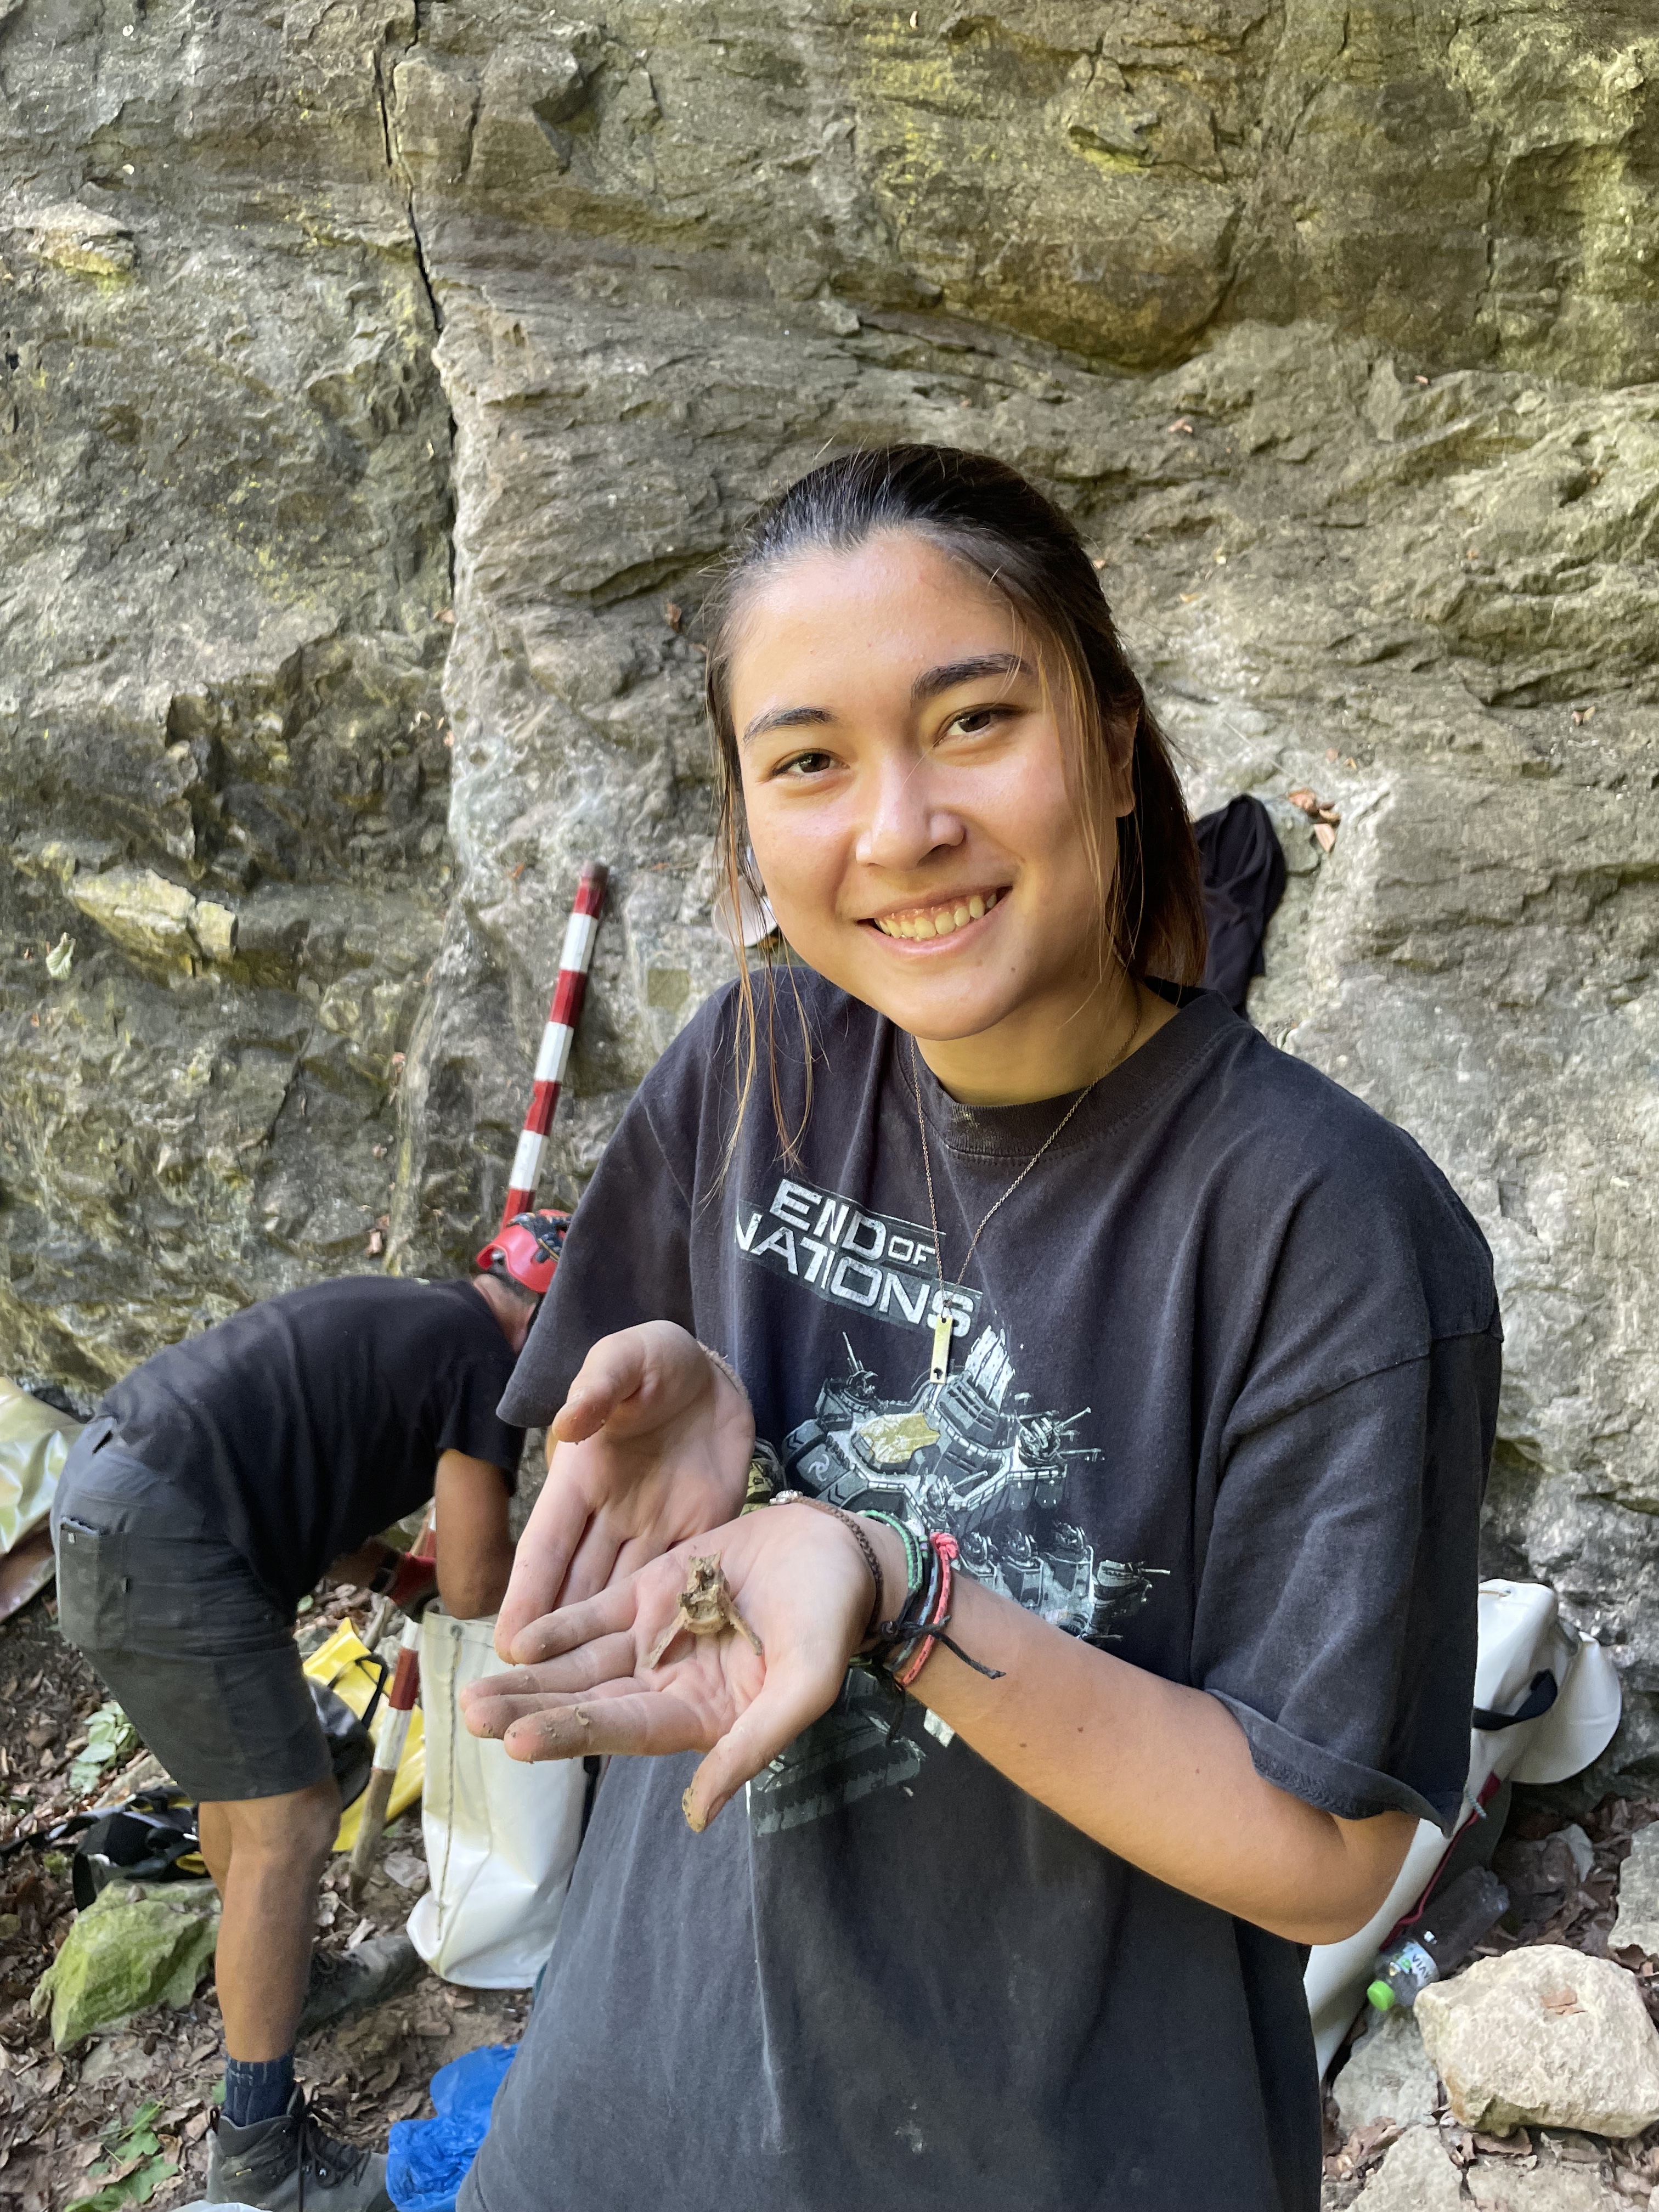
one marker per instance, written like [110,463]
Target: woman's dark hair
[980,512]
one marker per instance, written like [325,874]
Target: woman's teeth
[938,920]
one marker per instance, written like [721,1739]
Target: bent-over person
[216,1485]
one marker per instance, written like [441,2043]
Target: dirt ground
[64,2114]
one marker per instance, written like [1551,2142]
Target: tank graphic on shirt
[971,1461]
[974,1458]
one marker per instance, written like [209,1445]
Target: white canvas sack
[1525,1650]
[501,1835]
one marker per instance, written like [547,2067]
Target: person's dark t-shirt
[312,1421]
[1222,1402]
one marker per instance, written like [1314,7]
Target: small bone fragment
[707,1607]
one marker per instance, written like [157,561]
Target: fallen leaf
[1363,2147]
[674,615]
[376,1245]
[446,615]
[379,2083]
[1326,835]
[1519,2145]
[1183,426]
[1330,752]
[1304,798]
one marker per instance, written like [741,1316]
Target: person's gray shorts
[200,1658]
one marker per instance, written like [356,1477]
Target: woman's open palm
[796,1577]
[651,1446]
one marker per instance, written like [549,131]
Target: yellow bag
[345,1665]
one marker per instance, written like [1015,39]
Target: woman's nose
[906,820]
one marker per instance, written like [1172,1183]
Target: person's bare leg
[267,1856]
[212,1833]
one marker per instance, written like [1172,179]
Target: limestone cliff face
[374,376]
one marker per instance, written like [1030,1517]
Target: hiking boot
[344,1981]
[290,2165]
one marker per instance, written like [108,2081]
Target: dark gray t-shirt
[308,1422]
[1222,1401]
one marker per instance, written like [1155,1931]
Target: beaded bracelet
[916,1556]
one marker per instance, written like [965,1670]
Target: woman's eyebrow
[929,686]
[786,718]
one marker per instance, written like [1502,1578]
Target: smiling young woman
[927,728]
[1139,1384]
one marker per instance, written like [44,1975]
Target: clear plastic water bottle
[1453,1925]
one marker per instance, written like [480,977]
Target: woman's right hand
[651,1447]
[585,1683]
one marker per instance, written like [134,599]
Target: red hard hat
[529,1248]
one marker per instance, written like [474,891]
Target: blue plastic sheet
[426,2161]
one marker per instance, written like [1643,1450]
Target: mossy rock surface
[136,1944]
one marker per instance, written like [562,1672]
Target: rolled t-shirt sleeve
[466,1368]
[471,1425]
[1336,1606]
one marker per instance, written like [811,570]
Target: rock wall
[376,381]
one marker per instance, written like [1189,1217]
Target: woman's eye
[804,764]
[975,722]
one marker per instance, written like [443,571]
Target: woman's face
[904,777]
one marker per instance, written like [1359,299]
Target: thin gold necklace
[944,1324]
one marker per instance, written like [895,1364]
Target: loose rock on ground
[1544,2035]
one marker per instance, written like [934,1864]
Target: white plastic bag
[1522,1637]
[34,1442]
[501,1835]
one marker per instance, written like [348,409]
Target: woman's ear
[753,921]
[1122,729]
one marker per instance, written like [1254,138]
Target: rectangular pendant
[944,1328]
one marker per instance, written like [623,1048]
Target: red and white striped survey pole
[575,958]
[400,1702]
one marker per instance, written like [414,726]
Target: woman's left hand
[798,1578]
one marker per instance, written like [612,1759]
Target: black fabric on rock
[1243,868]
[1221,1400]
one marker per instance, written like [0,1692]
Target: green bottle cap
[1382,1996]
